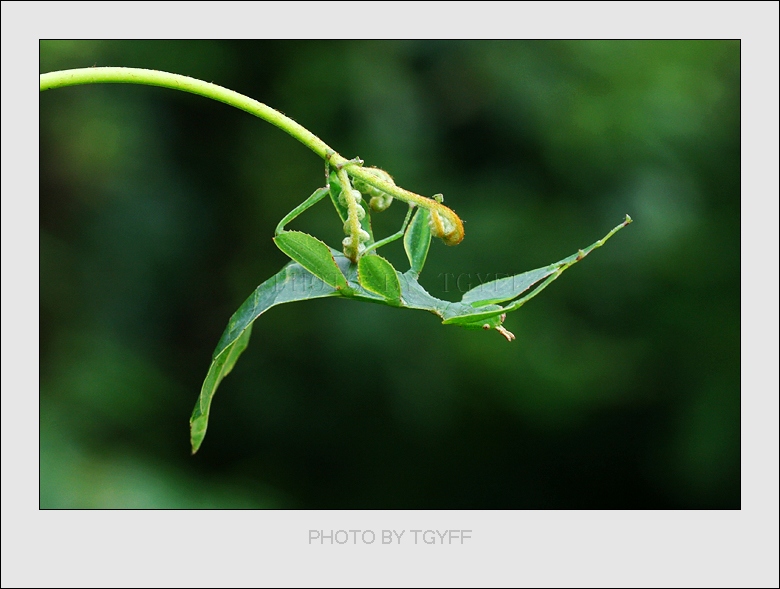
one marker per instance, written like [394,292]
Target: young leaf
[377,275]
[417,240]
[313,255]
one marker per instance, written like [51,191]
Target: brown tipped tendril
[445,224]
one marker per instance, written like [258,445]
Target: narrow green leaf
[506,289]
[523,281]
[377,275]
[292,283]
[313,255]
[219,369]
[417,240]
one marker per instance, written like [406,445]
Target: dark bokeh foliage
[157,210]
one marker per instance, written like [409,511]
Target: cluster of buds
[380,200]
[353,248]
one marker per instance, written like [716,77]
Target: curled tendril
[448,228]
[445,224]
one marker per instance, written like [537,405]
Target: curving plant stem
[124,75]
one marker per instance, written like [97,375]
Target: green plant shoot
[355,271]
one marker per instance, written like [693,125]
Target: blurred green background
[157,208]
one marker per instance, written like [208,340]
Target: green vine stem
[451,231]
